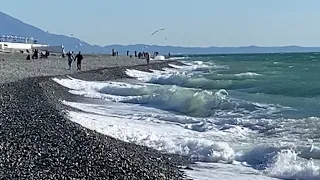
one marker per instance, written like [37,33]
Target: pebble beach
[39,142]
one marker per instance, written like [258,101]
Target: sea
[238,116]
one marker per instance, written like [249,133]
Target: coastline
[39,142]
[14,67]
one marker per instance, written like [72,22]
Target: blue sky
[187,22]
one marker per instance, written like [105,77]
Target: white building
[9,43]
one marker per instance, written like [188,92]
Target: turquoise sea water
[290,80]
[245,116]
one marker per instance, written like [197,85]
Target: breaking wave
[192,102]
[187,110]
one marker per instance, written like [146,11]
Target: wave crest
[200,103]
[288,166]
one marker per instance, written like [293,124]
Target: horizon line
[252,46]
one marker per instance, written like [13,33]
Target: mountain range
[12,26]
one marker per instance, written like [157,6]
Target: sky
[188,22]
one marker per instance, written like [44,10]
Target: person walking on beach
[148,58]
[35,54]
[79,58]
[70,59]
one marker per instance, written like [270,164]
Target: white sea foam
[198,66]
[193,102]
[185,78]
[164,137]
[178,58]
[289,166]
[209,171]
[226,135]
[211,146]
[179,78]
[248,74]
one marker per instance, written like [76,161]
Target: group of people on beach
[79,57]
[36,53]
[143,55]
[43,55]
[115,53]
[140,55]
[72,58]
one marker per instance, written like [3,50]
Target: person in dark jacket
[70,58]
[79,58]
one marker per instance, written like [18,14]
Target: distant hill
[12,26]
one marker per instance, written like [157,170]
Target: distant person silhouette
[28,57]
[35,54]
[79,58]
[70,59]
[147,58]
[113,53]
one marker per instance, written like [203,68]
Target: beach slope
[39,142]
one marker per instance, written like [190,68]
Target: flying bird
[157,31]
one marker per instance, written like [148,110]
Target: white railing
[17,39]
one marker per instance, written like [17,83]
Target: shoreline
[14,67]
[39,142]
